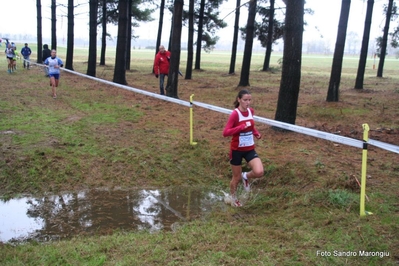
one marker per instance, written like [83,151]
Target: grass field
[304,211]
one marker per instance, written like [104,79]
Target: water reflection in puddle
[100,212]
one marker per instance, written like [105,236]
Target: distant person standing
[26,52]
[161,66]
[45,54]
[54,63]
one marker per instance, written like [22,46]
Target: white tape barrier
[308,131]
[383,145]
[303,130]
[313,132]
[295,128]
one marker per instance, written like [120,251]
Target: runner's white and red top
[241,126]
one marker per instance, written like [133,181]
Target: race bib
[246,139]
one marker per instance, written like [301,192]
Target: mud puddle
[92,212]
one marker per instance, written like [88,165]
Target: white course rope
[299,129]
[303,130]
[383,145]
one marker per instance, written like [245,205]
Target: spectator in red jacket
[161,66]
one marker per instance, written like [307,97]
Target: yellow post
[364,168]
[191,120]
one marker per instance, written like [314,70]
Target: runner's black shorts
[237,156]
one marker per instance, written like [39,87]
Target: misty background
[319,32]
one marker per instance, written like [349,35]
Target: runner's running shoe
[245,182]
[236,203]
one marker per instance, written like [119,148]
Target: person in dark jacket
[46,54]
[161,66]
[26,52]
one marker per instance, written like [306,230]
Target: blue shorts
[236,156]
[56,76]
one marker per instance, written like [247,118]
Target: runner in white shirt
[54,63]
[10,53]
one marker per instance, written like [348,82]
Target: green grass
[269,240]
[95,135]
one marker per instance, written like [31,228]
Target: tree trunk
[92,61]
[335,78]
[292,60]
[160,24]
[103,33]
[385,40]
[70,39]
[190,42]
[365,45]
[266,63]
[235,38]
[199,36]
[53,25]
[120,59]
[173,76]
[129,35]
[39,32]
[246,61]
[170,35]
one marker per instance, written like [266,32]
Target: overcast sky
[323,24]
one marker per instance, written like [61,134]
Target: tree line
[202,19]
